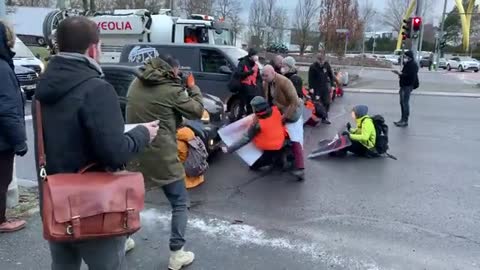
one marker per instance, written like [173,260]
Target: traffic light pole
[418,12]
[441,36]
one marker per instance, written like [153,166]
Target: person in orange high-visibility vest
[267,132]
[248,74]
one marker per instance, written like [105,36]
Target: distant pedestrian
[12,124]
[248,73]
[320,80]
[280,92]
[83,125]
[289,70]
[408,82]
[158,93]
[276,63]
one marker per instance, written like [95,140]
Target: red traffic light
[416,23]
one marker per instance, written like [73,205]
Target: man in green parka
[158,94]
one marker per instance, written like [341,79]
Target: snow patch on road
[246,235]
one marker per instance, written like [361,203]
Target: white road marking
[246,235]
[418,93]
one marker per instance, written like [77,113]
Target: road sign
[342,31]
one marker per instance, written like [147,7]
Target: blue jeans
[177,195]
[405,101]
[98,254]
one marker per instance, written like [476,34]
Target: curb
[417,93]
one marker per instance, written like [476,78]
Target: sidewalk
[218,244]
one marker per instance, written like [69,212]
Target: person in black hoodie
[82,125]
[12,124]
[249,75]
[408,82]
[320,80]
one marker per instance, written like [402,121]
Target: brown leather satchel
[88,205]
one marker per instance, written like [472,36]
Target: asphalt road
[420,212]
[441,81]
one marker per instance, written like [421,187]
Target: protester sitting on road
[12,124]
[276,63]
[248,73]
[267,133]
[280,92]
[289,70]
[363,137]
[320,80]
[83,125]
[158,93]
[184,135]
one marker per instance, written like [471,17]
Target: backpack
[381,130]
[416,83]
[196,163]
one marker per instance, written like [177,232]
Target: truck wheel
[460,68]
[476,70]
[449,67]
[234,110]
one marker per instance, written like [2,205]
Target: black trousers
[324,98]
[246,95]
[357,148]
[405,93]
[6,174]
[268,158]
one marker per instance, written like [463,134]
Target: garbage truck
[123,27]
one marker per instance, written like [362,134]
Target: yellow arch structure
[465,19]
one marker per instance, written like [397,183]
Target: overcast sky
[378,4]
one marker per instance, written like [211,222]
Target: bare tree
[279,24]
[368,14]
[394,13]
[306,14]
[256,22]
[270,6]
[230,11]
[197,6]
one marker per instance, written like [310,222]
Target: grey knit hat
[360,110]
[259,103]
[289,62]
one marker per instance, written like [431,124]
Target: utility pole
[418,12]
[441,33]
[3,11]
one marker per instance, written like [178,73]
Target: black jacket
[297,82]
[320,77]
[12,120]
[82,120]
[249,64]
[409,74]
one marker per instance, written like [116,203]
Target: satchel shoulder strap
[42,159]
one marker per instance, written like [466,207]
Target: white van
[24,57]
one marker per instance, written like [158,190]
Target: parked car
[442,63]
[212,66]
[425,61]
[121,76]
[463,63]
[27,79]
[277,48]
[394,59]
[25,57]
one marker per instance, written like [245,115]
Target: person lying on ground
[267,132]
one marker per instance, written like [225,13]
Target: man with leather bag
[86,214]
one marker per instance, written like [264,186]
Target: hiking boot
[180,258]
[326,122]
[401,124]
[129,244]
[12,226]
[299,174]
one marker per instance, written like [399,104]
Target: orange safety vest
[252,79]
[272,132]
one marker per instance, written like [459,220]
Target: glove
[190,81]
[346,133]
[21,150]
[349,126]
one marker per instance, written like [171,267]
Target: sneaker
[401,124]
[12,226]
[299,173]
[129,244]
[326,122]
[180,258]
